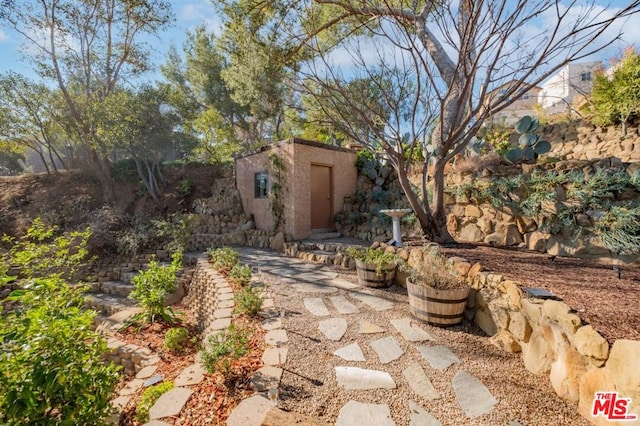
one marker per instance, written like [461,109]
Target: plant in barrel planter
[437,294]
[375,267]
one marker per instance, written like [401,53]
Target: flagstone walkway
[375,351]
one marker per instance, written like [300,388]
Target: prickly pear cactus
[531,145]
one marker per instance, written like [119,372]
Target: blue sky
[188,14]
[191,13]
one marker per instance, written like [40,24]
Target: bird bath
[396,214]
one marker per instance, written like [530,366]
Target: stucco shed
[296,186]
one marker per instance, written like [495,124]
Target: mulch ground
[610,304]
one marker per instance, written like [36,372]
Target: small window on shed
[585,76]
[260,185]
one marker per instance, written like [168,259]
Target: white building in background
[570,82]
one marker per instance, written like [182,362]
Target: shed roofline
[292,141]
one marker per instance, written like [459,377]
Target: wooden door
[321,198]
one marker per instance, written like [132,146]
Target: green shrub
[51,370]
[240,274]
[377,257]
[149,397]
[223,259]
[40,253]
[185,187]
[154,285]
[223,348]
[248,301]
[175,338]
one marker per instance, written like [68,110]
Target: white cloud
[3,36]
[197,13]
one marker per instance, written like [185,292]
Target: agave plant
[531,145]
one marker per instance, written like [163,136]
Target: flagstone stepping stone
[153,380]
[474,397]
[344,284]
[409,332]
[367,327]
[146,372]
[421,417]
[131,387]
[120,402]
[376,303]
[308,287]
[170,403]
[191,375]
[271,324]
[351,352]
[356,413]
[439,357]
[419,382]
[276,337]
[316,306]
[354,378]
[265,378]
[333,328]
[343,306]
[275,356]
[387,349]
[156,423]
[250,412]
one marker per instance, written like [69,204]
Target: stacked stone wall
[551,337]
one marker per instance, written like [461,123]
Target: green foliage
[248,301]
[175,338]
[223,259]
[556,199]
[531,145]
[223,348]
[185,187]
[378,257]
[149,397]
[40,253]
[176,231]
[51,370]
[240,274]
[616,98]
[277,189]
[152,287]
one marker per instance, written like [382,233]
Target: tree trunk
[439,214]
[102,170]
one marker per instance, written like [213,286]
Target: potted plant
[437,294]
[375,267]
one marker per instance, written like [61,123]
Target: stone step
[116,288]
[127,276]
[315,236]
[108,304]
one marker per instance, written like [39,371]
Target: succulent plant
[531,145]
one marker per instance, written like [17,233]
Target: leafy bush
[175,338]
[176,231]
[223,348]
[377,257]
[39,253]
[240,274]
[149,397]
[51,371]
[154,285]
[223,259]
[248,301]
[185,186]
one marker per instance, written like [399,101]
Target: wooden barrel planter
[442,308]
[368,277]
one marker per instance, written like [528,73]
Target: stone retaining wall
[131,357]
[245,238]
[553,341]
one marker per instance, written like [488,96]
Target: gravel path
[309,385]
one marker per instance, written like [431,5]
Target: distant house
[524,104]
[573,81]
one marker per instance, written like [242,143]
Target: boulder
[519,326]
[623,366]
[277,243]
[566,372]
[594,380]
[471,233]
[591,344]
[506,341]
[538,353]
[525,224]
[472,211]
[537,241]
[484,320]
